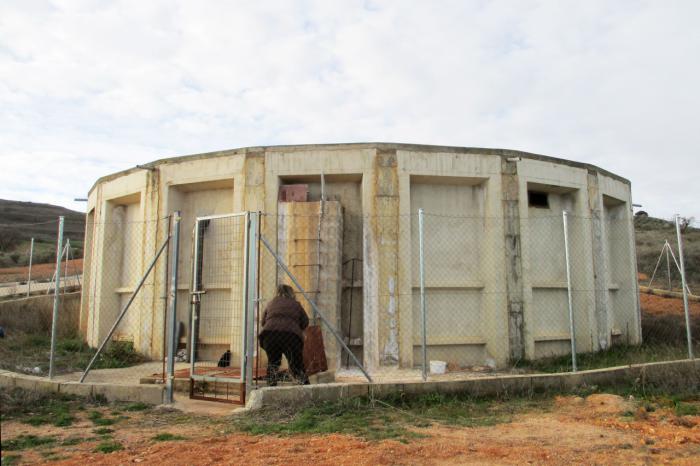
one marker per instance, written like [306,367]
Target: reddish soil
[39,271]
[594,430]
[658,305]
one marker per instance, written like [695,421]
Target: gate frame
[195,311]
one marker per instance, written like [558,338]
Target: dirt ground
[600,429]
[659,305]
[39,271]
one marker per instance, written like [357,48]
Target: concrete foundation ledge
[673,374]
[151,394]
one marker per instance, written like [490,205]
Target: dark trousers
[291,346]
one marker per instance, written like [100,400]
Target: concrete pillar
[380,266]
[88,273]
[253,193]
[148,338]
[89,291]
[248,195]
[600,272]
[513,257]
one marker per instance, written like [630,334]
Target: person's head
[285,291]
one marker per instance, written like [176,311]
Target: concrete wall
[496,281]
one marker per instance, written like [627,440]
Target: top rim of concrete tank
[503,153]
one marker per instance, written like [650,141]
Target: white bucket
[438,367]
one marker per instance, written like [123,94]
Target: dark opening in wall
[538,199]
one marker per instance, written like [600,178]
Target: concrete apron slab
[483,386]
[649,373]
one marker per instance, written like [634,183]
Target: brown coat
[284,314]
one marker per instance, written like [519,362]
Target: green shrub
[98,419]
[103,431]
[24,442]
[118,354]
[166,437]
[108,447]
[139,406]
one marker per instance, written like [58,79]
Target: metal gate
[222,306]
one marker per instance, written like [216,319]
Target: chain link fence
[575,303]
[124,298]
[28,258]
[394,297]
[29,293]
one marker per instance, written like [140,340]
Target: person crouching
[283,324]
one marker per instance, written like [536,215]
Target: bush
[118,354]
[9,238]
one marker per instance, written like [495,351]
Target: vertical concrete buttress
[600,273]
[381,319]
[253,191]
[151,340]
[513,257]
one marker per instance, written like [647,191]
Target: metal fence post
[668,266]
[572,326]
[685,287]
[172,310]
[56,293]
[29,273]
[252,298]
[65,273]
[421,257]
[195,298]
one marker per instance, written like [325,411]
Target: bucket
[438,367]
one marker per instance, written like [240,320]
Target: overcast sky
[91,87]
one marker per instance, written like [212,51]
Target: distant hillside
[650,235]
[21,221]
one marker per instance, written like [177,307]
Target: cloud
[88,88]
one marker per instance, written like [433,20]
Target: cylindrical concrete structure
[495,281]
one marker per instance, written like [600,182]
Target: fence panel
[497,296]
[124,253]
[27,294]
[217,346]
[305,254]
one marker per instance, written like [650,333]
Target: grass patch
[397,417]
[390,418]
[60,418]
[686,409]
[98,419]
[137,407]
[619,355]
[108,447]
[103,431]
[24,442]
[37,408]
[11,460]
[72,441]
[166,437]
[22,352]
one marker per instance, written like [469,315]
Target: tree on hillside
[685,222]
[9,238]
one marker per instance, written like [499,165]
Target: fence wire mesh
[217,315]
[27,291]
[301,289]
[499,297]
[28,257]
[124,297]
